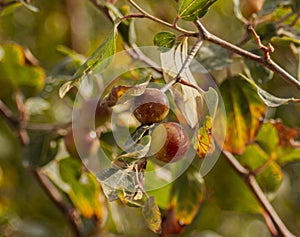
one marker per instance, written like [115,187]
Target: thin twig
[285,17]
[149,16]
[184,66]
[71,213]
[294,22]
[251,182]
[8,115]
[261,60]
[266,49]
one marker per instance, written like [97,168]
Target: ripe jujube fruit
[169,142]
[81,142]
[151,107]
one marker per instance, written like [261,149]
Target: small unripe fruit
[169,142]
[151,107]
[93,111]
[249,7]
[81,143]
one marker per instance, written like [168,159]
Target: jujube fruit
[81,143]
[249,7]
[169,142]
[151,107]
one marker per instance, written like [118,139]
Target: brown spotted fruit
[169,142]
[151,107]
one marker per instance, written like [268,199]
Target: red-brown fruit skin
[176,144]
[151,107]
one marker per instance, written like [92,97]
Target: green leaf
[17,74]
[83,188]
[203,142]
[269,175]
[259,73]
[10,9]
[191,10]
[228,189]
[277,141]
[285,41]
[101,58]
[186,195]
[244,111]
[152,215]
[164,40]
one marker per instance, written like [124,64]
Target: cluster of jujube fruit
[169,141]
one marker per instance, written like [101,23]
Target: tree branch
[70,213]
[269,63]
[173,26]
[250,180]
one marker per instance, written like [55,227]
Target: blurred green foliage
[27,210]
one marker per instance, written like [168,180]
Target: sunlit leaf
[204,142]
[10,9]
[244,110]
[16,73]
[269,174]
[101,58]
[189,100]
[191,10]
[164,40]
[84,190]
[152,215]
[285,41]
